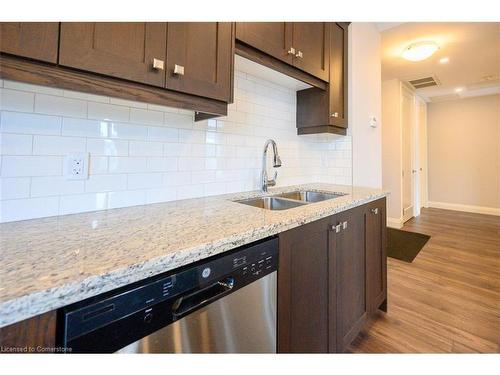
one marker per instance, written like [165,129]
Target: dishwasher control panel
[156,301]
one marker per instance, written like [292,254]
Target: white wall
[464,154]
[364,101]
[141,153]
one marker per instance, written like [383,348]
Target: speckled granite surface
[52,262]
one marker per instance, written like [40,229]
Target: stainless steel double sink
[285,201]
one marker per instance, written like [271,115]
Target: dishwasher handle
[190,302]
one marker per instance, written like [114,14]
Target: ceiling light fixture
[444,60]
[459,89]
[420,51]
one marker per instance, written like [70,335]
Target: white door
[422,153]
[408,172]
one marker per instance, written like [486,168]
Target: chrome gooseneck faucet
[276,164]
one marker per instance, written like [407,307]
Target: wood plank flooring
[448,299]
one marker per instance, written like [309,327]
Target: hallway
[448,299]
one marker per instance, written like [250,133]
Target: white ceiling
[472,47]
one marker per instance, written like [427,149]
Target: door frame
[406,91]
[421,147]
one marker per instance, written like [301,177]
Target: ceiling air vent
[423,82]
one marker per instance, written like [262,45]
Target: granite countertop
[52,262]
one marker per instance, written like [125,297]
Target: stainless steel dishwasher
[225,304]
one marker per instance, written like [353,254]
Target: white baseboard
[394,223]
[465,208]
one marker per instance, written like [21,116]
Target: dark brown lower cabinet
[340,260]
[303,289]
[348,300]
[37,334]
[376,257]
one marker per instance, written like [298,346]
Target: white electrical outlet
[77,166]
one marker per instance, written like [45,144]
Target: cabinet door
[273,38]
[338,74]
[202,53]
[376,258]
[118,49]
[311,41]
[348,249]
[303,289]
[36,40]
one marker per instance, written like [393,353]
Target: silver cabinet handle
[374,211]
[291,51]
[299,54]
[337,228]
[335,114]
[158,64]
[179,70]
[344,225]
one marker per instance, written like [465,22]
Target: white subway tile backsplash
[70,204]
[202,177]
[49,186]
[190,191]
[13,100]
[127,164]
[127,131]
[98,164]
[162,164]
[176,178]
[57,105]
[146,153]
[163,134]
[126,198]
[76,127]
[191,164]
[164,194]
[128,103]
[137,148]
[177,149]
[106,182]
[25,166]
[108,112]
[143,116]
[14,188]
[144,181]
[85,96]
[55,145]
[180,120]
[107,147]
[33,88]
[16,144]
[23,209]
[28,123]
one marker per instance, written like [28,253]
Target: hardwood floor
[448,299]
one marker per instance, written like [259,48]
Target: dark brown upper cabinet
[199,58]
[35,40]
[312,48]
[273,38]
[305,45]
[130,50]
[325,111]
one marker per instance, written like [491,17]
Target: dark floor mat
[404,245]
